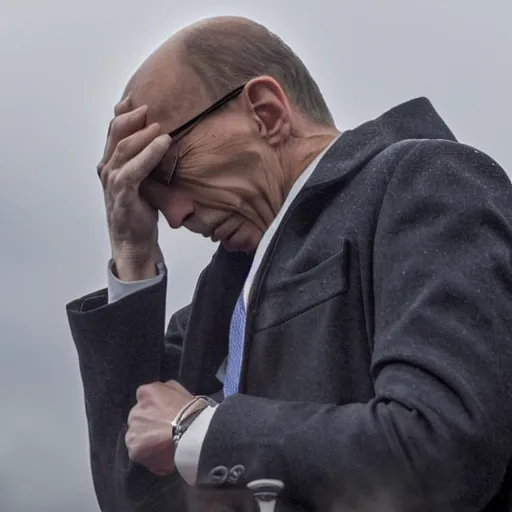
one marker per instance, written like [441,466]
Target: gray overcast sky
[63,66]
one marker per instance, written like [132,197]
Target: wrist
[129,271]
[187,415]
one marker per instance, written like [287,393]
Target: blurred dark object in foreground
[222,500]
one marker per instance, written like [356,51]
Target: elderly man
[351,337]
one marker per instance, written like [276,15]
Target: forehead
[172,93]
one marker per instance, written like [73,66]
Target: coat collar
[415,119]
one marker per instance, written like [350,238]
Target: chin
[240,243]
[245,238]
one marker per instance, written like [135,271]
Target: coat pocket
[292,295]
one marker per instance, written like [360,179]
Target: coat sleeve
[438,433]
[120,347]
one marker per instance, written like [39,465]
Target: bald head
[166,77]
[215,55]
[225,52]
[164,83]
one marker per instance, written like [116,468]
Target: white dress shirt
[190,445]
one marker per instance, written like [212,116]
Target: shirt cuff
[118,289]
[189,447]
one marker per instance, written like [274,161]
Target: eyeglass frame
[165,177]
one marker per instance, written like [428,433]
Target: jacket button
[218,475]
[235,473]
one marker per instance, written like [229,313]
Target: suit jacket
[377,370]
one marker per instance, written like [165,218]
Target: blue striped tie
[236,348]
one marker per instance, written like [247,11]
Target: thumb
[156,194]
[176,386]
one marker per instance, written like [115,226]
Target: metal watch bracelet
[182,421]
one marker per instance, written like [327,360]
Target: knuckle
[122,148]
[121,106]
[175,386]
[113,127]
[124,144]
[129,442]
[143,391]
[121,185]
[110,127]
[110,179]
[107,176]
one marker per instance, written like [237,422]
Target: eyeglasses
[165,175]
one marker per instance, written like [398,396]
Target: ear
[270,109]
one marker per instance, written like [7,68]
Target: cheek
[218,154]
[219,172]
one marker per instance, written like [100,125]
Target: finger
[143,391]
[155,193]
[129,439]
[132,145]
[125,105]
[127,149]
[132,412]
[140,166]
[121,127]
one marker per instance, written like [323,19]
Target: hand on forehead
[169,88]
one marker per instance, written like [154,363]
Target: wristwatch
[187,414]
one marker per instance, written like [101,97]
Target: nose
[174,202]
[176,209]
